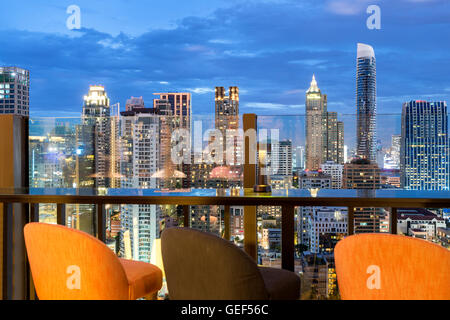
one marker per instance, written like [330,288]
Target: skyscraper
[425,156]
[140,134]
[298,158]
[366,103]
[180,103]
[334,139]
[363,174]
[176,110]
[395,149]
[282,160]
[97,124]
[227,120]
[316,107]
[14,91]
[324,133]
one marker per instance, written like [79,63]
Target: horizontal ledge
[229,200]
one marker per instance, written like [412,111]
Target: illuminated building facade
[14,91]
[96,123]
[316,107]
[326,226]
[365,175]
[227,121]
[425,156]
[180,105]
[140,134]
[324,133]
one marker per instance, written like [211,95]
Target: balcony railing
[21,206]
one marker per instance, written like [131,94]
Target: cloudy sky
[269,48]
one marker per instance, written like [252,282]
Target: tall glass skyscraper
[425,157]
[366,102]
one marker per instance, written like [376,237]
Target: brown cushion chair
[203,266]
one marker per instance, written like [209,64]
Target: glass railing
[172,155]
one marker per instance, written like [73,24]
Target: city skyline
[271,64]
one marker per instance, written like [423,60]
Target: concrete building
[315,180]
[334,170]
[326,226]
[419,223]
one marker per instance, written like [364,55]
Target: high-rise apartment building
[366,102]
[180,105]
[334,139]
[227,122]
[364,174]
[283,158]
[176,109]
[14,91]
[140,135]
[425,155]
[298,158]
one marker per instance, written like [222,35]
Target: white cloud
[163,82]
[108,43]
[308,62]
[221,41]
[348,7]
[199,90]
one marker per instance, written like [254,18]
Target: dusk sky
[269,49]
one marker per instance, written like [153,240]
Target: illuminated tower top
[313,88]
[96,102]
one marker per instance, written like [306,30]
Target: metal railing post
[226,222]
[351,221]
[186,221]
[393,220]
[61,214]
[287,237]
[100,226]
[7,255]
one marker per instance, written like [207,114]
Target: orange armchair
[68,264]
[391,267]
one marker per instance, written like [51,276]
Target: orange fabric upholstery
[391,267]
[143,278]
[68,264]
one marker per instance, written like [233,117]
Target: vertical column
[33,217]
[187,220]
[393,222]
[61,214]
[13,174]
[351,221]
[250,147]
[100,225]
[226,220]
[287,237]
